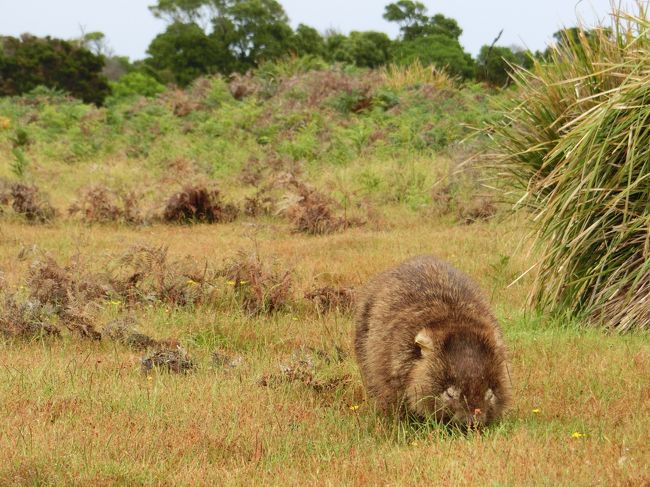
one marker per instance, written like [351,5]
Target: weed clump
[98,204]
[329,298]
[146,274]
[313,212]
[259,288]
[29,202]
[121,331]
[479,209]
[226,360]
[25,321]
[77,321]
[301,369]
[172,360]
[49,283]
[198,204]
[259,204]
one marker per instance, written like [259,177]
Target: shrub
[29,202]
[576,139]
[98,204]
[198,204]
[136,84]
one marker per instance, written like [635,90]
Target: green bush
[135,84]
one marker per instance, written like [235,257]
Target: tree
[364,49]
[244,32]
[184,52]
[414,22]
[254,30]
[438,50]
[410,16]
[187,11]
[308,40]
[493,64]
[30,61]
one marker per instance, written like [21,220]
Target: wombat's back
[398,303]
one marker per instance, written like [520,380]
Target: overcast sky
[130,27]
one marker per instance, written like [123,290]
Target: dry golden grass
[78,412]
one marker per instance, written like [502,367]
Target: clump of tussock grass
[99,204]
[198,204]
[401,76]
[259,287]
[576,140]
[31,203]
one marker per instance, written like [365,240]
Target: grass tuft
[577,141]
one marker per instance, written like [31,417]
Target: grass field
[82,412]
[274,396]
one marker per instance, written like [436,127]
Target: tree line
[206,37]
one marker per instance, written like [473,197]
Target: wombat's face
[460,392]
[467,407]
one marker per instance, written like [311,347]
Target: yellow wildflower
[5,123]
[537,411]
[190,282]
[414,443]
[115,302]
[577,434]
[354,407]
[231,283]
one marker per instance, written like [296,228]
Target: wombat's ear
[424,341]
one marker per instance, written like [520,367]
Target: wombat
[428,345]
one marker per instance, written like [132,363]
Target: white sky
[130,27]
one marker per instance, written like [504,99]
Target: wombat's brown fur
[428,344]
